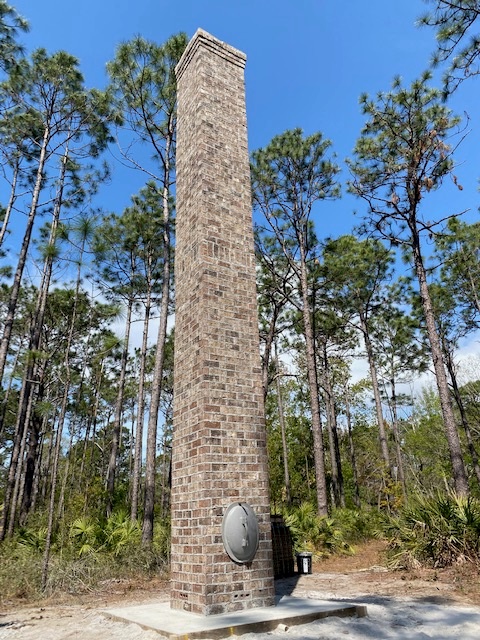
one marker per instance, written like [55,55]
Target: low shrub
[335,534]
[359,525]
[435,530]
[20,571]
[94,552]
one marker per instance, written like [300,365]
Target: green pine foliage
[457,39]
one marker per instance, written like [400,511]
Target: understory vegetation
[85,555]
[435,530]
[337,533]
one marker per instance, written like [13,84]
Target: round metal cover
[240,533]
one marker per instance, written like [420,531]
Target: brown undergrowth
[367,571]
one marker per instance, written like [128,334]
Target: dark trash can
[304,562]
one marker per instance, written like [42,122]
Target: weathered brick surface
[219,447]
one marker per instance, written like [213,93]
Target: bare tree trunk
[24,418]
[353,461]
[22,259]
[11,202]
[22,495]
[396,436]
[61,499]
[92,421]
[30,467]
[94,444]
[17,454]
[454,446]
[4,407]
[321,483]
[137,462]
[268,350]
[335,459]
[53,487]
[376,394]
[25,408]
[117,422]
[131,439]
[281,418]
[166,475]
[150,463]
[50,455]
[463,416]
[38,466]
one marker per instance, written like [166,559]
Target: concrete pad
[176,625]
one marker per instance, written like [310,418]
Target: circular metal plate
[240,532]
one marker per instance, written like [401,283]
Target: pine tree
[11,24]
[403,154]
[143,82]
[458,42]
[49,99]
[289,176]
[357,272]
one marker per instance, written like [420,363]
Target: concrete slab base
[178,625]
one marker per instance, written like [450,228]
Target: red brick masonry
[219,445]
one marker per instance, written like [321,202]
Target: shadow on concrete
[286,586]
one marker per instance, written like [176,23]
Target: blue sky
[308,61]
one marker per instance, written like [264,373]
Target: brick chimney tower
[221,542]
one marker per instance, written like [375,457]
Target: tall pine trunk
[37,474]
[150,462]
[268,349]
[22,258]
[54,482]
[461,409]
[351,445]
[137,462]
[10,386]
[92,420]
[31,379]
[11,202]
[281,417]
[450,426]
[117,421]
[376,394]
[27,418]
[335,459]
[14,469]
[396,436]
[31,466]
[319,458]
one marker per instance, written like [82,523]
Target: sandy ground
[401,606]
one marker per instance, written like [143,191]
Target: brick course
[219,442]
